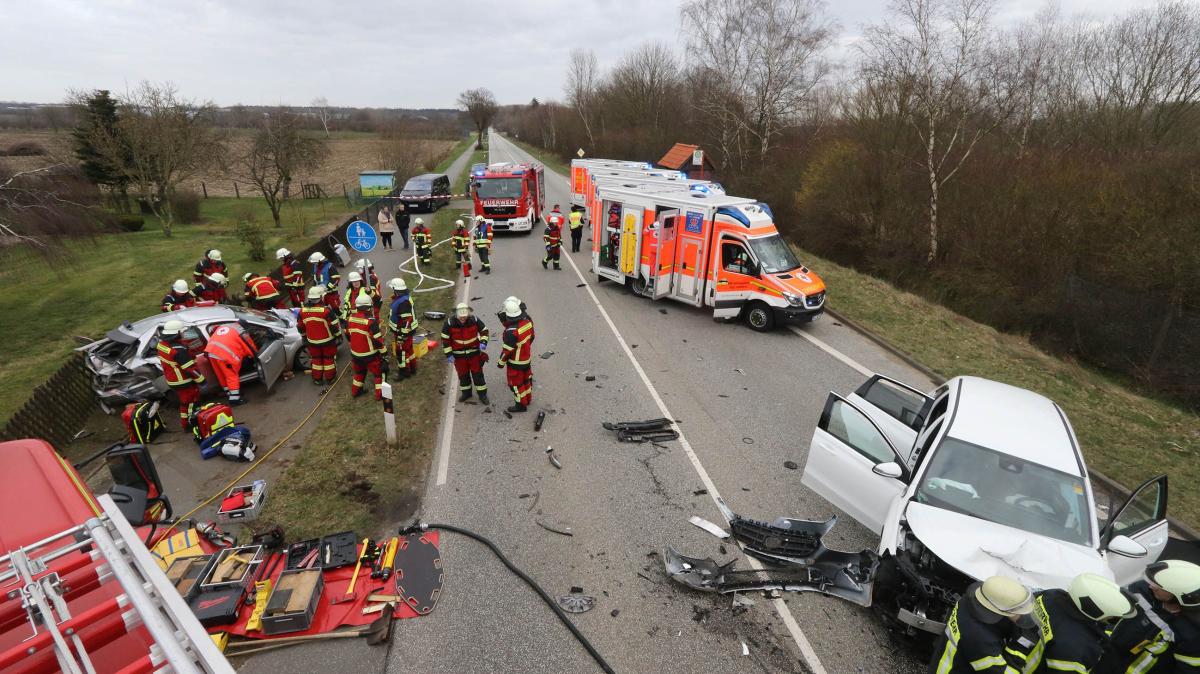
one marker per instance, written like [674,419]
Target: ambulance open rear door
[663,265]
[690,258]
[607,245]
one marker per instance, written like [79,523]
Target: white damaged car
[975,479]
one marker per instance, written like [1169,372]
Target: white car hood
[982,549]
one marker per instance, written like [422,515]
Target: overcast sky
[387,53]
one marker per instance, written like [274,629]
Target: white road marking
[443,469]
[832,351]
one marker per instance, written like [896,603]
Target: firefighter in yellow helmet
[1164,635]
[1074,623]
[984,632]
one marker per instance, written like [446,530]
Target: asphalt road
[745,402]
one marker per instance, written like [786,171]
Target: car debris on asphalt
[650,430]
[710,527]
[576,601]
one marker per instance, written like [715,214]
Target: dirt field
[347,156]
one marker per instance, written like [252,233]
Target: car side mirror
[891,469]
[1127,547]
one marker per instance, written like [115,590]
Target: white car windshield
[774,254]
[1000,488]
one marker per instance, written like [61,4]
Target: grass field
[115,277]
[347,477]
[1126,436]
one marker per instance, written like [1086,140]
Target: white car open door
[899,409]
[272,359]
[1142,518]
[853,465]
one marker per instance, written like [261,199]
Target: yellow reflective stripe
[1065,666]
[1188,659]
[988,662]
[946,662]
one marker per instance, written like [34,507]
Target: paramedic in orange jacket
[228,346]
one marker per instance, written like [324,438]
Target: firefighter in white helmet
[326,277]
[1164,636]
[518,352]
[366,268]
[178,297]
[402,323]
[984,632]
[357,285]
[483,243]
[460,241]
[422,240]
[212,288]
[464,342]
[208,265]
[366,346]
[292,273]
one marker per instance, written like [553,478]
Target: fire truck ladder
[147,598]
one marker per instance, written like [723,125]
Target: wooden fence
[57,409]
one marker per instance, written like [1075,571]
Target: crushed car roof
[1014,421]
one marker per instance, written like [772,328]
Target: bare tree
[758,62]
[43,205]
[279,152]
[646,82]
[320,105]
[481,107]
[939,56]
[583,83]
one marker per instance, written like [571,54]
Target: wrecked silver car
[124,364]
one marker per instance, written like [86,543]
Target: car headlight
[794,300]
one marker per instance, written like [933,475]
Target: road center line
[832,351]
[443,468]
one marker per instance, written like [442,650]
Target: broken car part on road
[650,430]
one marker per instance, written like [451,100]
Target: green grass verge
[477,157]
[1126,436]
[116,277]
[454,153]
[347,477]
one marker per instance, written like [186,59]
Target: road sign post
[697,157]
[361,237]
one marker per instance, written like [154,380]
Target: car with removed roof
[124,364]
[975,479]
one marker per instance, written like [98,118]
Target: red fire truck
[510,196]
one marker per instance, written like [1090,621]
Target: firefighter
[208,265]
[179,297]
[212,288]
[228,347]
[355,285]
[422,240]
[366,346]
[460,241]
[263,292]
[319,325]
[402,324]
[1164,636]
[326,277]
[555,216]
[292,273]
[483,244]
[553,240]
[1073,623]
[575,220]
[464,342]
[366,269]
[518,352]
[983,632]
[179,369]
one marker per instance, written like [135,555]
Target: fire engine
[510,196]
[702,247]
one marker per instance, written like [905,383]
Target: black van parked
[432,188]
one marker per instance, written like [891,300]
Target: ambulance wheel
[637,286]
[760,317]
[302,361]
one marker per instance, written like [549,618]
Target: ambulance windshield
[773,254]
[498,188]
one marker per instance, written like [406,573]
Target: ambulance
[510,196]
[585,171]
[704,248]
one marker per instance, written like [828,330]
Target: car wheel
[302,361]
[760,317]
[638,286]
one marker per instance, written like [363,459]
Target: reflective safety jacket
[400,319]
[463,338]
[461,240]
[178,366]
[483,235]
[553,236]
[518,343]
[1071,642]
[292,272]
[576,219]
[207,267]
[420,235]
[318,324]
[325,274]
[365,338]
[1136,644]
[207,291]
[1185,652]
[262,289]
[174,302]
[230,343]
[977,640]
[352,294]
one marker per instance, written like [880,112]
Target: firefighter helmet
[353,277]
[282,253]
[218,278]
[172,327]
[458,223]
[1005,596]
[397,284]
[247,276]
[180,286]
[316,257]
[315,293]
[363,300]
[1099,598]
[478,218]
[462,310]
[512,307]
[214,255]
[419,221]
[363,263]
[1178,577]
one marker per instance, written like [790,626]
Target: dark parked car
[432,190]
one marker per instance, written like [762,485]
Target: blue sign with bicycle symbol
[361,236]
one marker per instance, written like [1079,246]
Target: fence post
[204,188]
[236,192]
[389,417]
